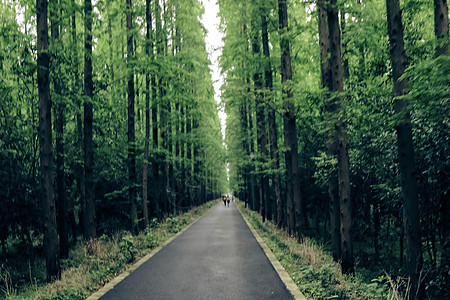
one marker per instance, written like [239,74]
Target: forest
[337,128]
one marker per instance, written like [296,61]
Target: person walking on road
[228,200]
[224,200]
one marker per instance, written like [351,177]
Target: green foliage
[128,248]
[69,294]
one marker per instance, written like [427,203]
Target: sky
[214,46]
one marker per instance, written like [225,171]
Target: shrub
[128,249]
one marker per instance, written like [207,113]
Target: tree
[273,135]
[261,129]
[405,147]
[294,201]
[330,107]
[59,130]
[131,122]
[89,201]
[45,140]
[79,166]
[343,164]
[148,18]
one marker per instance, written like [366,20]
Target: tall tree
[89,203]
[45,140]
[79,169]
[330,107]
[261,129]
[271,119]
[343,165]
[59,130]
[411,222]
[148,18]
[131,122]
[294,200]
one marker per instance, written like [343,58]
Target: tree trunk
[253,180]
[245,149]
[45,140]
[188,166]
[131,123]
[294,201]
[331,143]
[160,42]
[405,145]
[89,205]
[148,18]
[272,204]
[261,130]
[441,26]
[345,203]
[61,205]
[346,72]
[376,225]
[79,170]
[183,193]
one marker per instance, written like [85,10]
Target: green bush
[68,294]
[128,248]
[173,225]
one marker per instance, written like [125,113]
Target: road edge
[110,285]
[281,271]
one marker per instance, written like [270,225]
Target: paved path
[216,258]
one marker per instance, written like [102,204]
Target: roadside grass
[94,263]
[313,269]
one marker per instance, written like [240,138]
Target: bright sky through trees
[214,46]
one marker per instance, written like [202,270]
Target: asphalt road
[216,258]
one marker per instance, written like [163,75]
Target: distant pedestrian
[228,200]
[224,200]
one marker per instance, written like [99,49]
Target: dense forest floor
[90,264]
[312,268]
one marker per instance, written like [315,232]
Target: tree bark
[346,72]
[246,172]
[405,146]
[254,205]
[131,122]
[61,204]
[441,26]
[45,141]
[261,130]
[294,201]
[272,204]
[79,170]
[148,18]
[89,205]
[331,143]
[337,86]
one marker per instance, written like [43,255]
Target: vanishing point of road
[218,257]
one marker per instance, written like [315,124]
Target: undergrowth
[313,269]
[94,263]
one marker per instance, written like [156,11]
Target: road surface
[216,258]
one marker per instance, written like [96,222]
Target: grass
[313,269]
[94,263]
